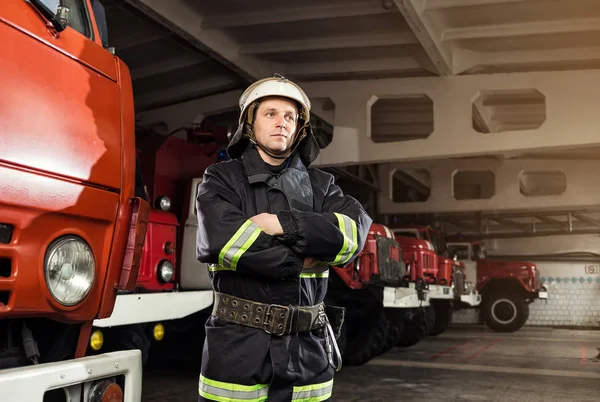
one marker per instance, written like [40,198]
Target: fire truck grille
[5,282]
[6,232]
[5,267]
[391,265]
[56,341]
[459,282]
[4,297]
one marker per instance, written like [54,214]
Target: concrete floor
[467,363]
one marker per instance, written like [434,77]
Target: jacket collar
[293,180]
[256,169]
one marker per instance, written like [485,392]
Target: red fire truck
[379,296]
[507,287]
[172,285]
[71,228]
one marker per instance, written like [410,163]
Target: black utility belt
[274,319]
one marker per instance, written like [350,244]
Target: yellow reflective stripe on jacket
[313,393]
[227,392]
[320,271]
[239,243]
[217,268]
[348,229]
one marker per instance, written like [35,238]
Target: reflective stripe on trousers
[227,392]
[313,393]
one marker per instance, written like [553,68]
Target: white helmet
[278,85]
[274,86]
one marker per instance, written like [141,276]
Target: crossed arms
[275,246]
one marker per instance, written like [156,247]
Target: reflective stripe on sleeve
[217,268]
[239,243]
[313,393]
[348,229]
[228,392]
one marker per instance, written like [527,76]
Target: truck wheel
[415,329]
[505,312]
[133,337]
[396,318]
[363,337]
[443,317]
[430,317]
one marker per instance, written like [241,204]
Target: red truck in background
[379,296]
[172,285]
[71,227]
[420,260]
[444,279]
[507,287]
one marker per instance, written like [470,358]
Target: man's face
[275,124]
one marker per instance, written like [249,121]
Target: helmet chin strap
[279,157]
[265,150]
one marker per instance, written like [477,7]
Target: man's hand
[310,262]
[269,223]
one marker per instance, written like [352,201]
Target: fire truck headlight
[166,271]
[70,270]
[163,203]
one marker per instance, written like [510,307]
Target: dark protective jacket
[319,221]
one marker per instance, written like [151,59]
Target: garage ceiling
[338,39]
[187,49]
[166,69]
[179,50]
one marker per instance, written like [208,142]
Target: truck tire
[364,338]
[505,312]
[430,317]
[443,317]
[415,329]
[133,337]
[396,318]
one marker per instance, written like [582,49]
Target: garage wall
[573,287]
[585,243]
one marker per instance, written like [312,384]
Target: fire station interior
[471,124]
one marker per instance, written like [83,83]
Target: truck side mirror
[54,12]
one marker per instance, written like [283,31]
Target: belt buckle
[322,316]
[269,326]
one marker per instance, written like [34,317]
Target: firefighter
[269,226]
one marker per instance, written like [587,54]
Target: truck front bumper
[408,297]
[76,377]
[441,292]
[542,293]
[472,299]
[135,308]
